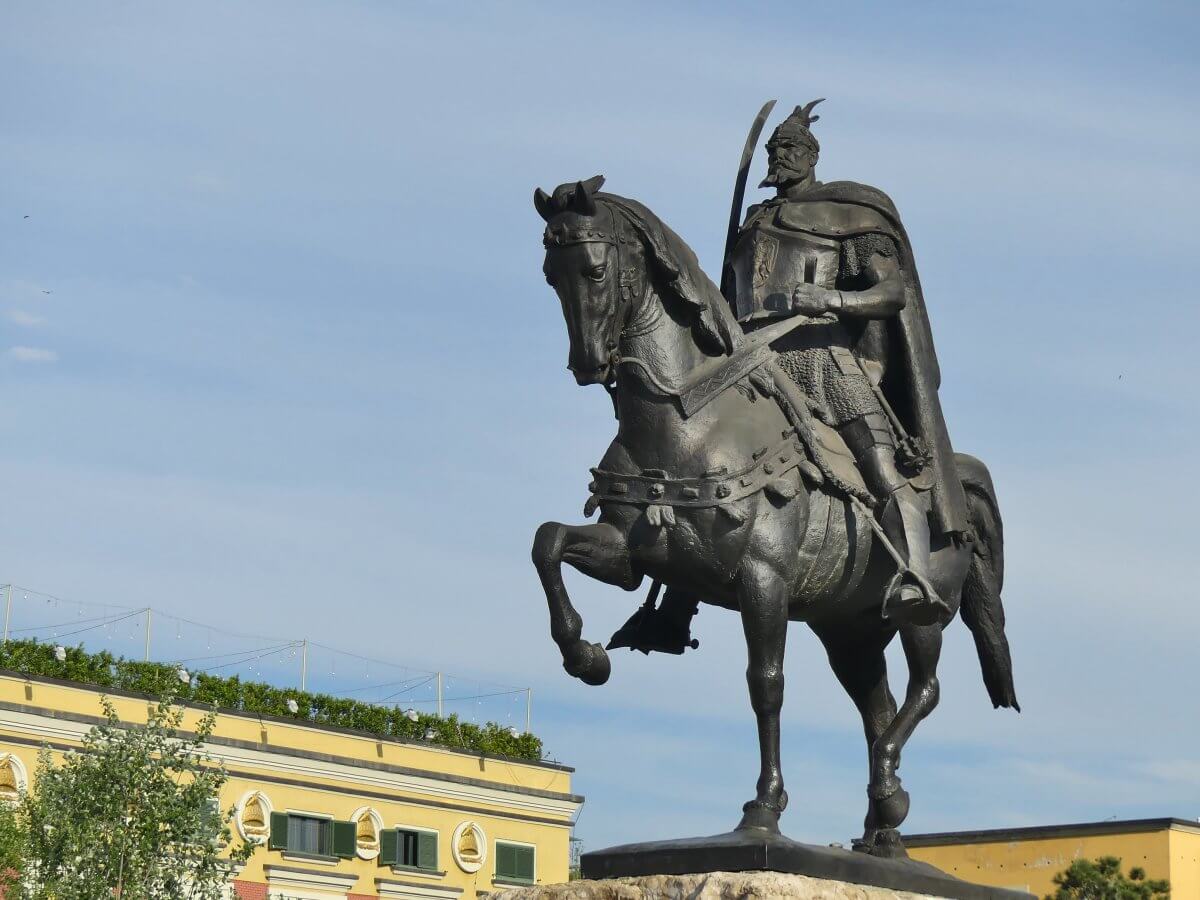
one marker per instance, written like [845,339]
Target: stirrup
[923,612]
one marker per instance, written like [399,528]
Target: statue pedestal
[710,886]
[748,865]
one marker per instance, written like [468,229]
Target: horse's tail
[982,608]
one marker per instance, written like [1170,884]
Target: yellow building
[1029,858]
[337,813]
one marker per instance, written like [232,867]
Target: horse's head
[590,253]
[605,256]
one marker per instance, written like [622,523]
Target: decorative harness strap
[713,488]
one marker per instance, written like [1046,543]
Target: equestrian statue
[780,452]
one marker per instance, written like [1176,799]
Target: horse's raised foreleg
[889,801]
[763,598]
[600,551]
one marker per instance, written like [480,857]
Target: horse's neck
[658,353]
[657,348]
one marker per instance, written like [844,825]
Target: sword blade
[739,195]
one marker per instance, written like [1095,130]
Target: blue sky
[276,351]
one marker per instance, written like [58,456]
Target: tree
[1102,880]
[131,816]
[12,850]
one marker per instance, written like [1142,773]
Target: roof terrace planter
[103,669]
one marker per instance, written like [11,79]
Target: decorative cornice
[294,876]
[313,756]
[393,889]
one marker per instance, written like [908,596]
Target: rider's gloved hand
[811,300]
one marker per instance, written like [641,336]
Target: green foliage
[155,679]
[129,816]
[13,839]
[1102,880]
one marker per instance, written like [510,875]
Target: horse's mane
[716,329]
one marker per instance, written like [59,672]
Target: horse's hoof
[759,816]
[884,843]
[892,810]
[588,662]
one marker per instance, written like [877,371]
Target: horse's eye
[596,273]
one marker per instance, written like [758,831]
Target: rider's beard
[781,175]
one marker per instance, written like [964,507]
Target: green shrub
[30,657]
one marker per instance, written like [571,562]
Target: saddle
[837,456]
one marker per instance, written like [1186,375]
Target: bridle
[629,288]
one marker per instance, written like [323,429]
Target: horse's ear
[543,204]
[594,183]
[581,200]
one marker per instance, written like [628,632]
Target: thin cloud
[32,355]
[25,319]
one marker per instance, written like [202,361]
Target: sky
[276,352]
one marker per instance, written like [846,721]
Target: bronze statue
[780,452]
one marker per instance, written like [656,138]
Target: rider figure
[838,254]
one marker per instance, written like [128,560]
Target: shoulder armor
[832,218]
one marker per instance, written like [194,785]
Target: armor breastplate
[769,261]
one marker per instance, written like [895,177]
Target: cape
[901,345]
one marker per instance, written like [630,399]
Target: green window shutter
[514,862]
[389,847]
[506,860]
[524,863]
[345,839]
[427,847]
[211,820]
[279,831]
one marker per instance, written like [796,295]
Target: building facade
[1029,858]
[336,813]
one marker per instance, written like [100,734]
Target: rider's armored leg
[904,520]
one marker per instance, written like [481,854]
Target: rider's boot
[912,598]
[909,597]
[665,628]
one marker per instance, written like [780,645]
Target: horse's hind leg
[600,551]
[762,596]
[889,801]
[856,657]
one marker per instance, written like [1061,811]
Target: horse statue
[722,485]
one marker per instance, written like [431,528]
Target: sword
[912,452]
[739,195]
[711,379]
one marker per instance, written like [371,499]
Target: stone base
[708,886]
[772,855]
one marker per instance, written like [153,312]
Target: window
[312,835]
[306,834]
[514,862]
[211,821]
[411,848]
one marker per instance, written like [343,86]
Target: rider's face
[788,163]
